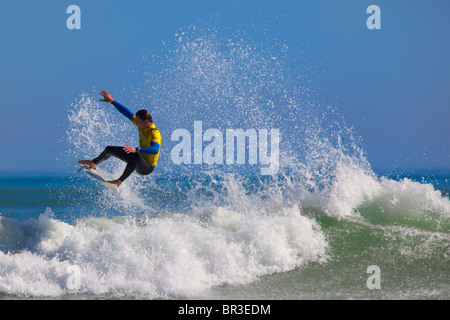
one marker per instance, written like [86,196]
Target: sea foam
[154,256]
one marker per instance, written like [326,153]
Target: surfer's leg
[134,162]
[131,159]
[88,163]
[138,163]
[143,167]
[119,153]
[131,166]
[109,151]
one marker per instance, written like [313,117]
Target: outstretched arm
[153,149]
[106,96]
[121,108]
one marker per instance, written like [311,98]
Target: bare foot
[117,182]
[88,163]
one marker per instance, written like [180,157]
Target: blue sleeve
[123,110]
[153,149]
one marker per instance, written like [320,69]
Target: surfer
[143,159]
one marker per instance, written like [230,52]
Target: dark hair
[144,115]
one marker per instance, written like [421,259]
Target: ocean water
[326,225]
[205,238]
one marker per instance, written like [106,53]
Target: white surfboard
[97,177]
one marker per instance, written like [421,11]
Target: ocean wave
[153,256]
[185,230]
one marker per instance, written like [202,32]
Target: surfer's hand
[129,149]
[107,97]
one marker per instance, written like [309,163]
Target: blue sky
[392,85]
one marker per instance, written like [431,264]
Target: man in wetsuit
[142,159]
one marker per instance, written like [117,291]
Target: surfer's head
[143,119]
[144,115]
